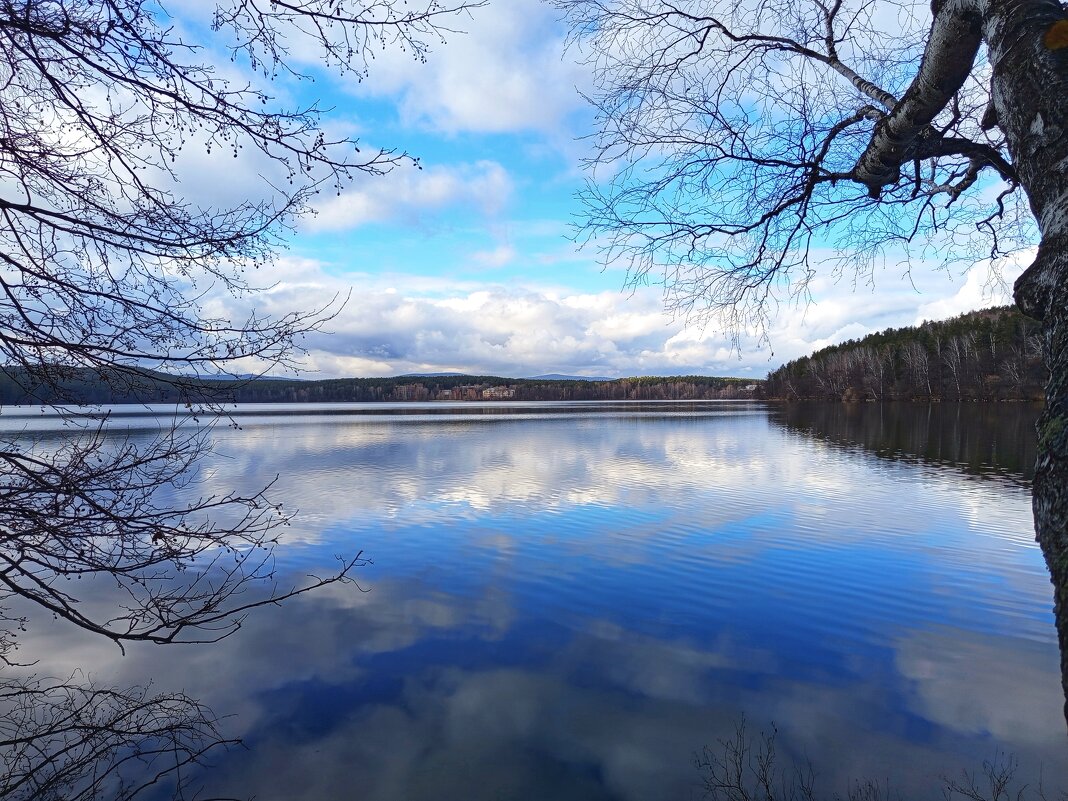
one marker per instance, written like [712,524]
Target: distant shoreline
[80,386]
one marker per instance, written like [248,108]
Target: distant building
[498,393]
[408,392]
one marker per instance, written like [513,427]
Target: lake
[569,601]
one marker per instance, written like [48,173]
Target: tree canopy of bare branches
[107,259]
[732,153]
[75,741]
[742,147]
[744,767]
[101,252]
[105,264]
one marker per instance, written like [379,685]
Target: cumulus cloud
[981,287]
[396,324]
[405,194]
[491,328]
[506,72]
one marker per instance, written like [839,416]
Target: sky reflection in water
[570,605]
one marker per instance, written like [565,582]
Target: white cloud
[407,193]
[496,257]
[513,331]
[980,289]
[400,324]
[506,72]
[395,324]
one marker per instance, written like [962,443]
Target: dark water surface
[569,601]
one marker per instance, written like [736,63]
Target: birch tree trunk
[1029,54]
[1027,42]
[1030,93]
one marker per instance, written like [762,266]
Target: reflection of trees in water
[92,535]
[114,270]
[75,741]
[977,438]
[743,767]
[980,439]
[98,507]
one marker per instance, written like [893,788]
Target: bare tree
[730,142]
[107,263]
[959,356]
[745,768]
[69,740]
[832,372]
[878,367]
[918,363]
[1014,366]
[738,143]
[789,388]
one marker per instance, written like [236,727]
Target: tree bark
[1050,497]
[1027,43]
[948,58]
[1030,96]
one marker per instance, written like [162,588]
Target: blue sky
[466,265]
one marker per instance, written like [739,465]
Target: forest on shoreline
[993,354]
[86,387]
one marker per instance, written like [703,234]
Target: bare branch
[951,49]
[733,142]
[72,740]
[107,272]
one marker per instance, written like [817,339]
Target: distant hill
[247,377]
[991,354]
[561,377]
[431,375]
[546,377]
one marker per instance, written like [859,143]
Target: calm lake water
[567,601]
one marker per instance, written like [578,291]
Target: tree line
[992,354]
[408,388]
[94,387]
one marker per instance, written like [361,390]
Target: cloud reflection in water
[570,607]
